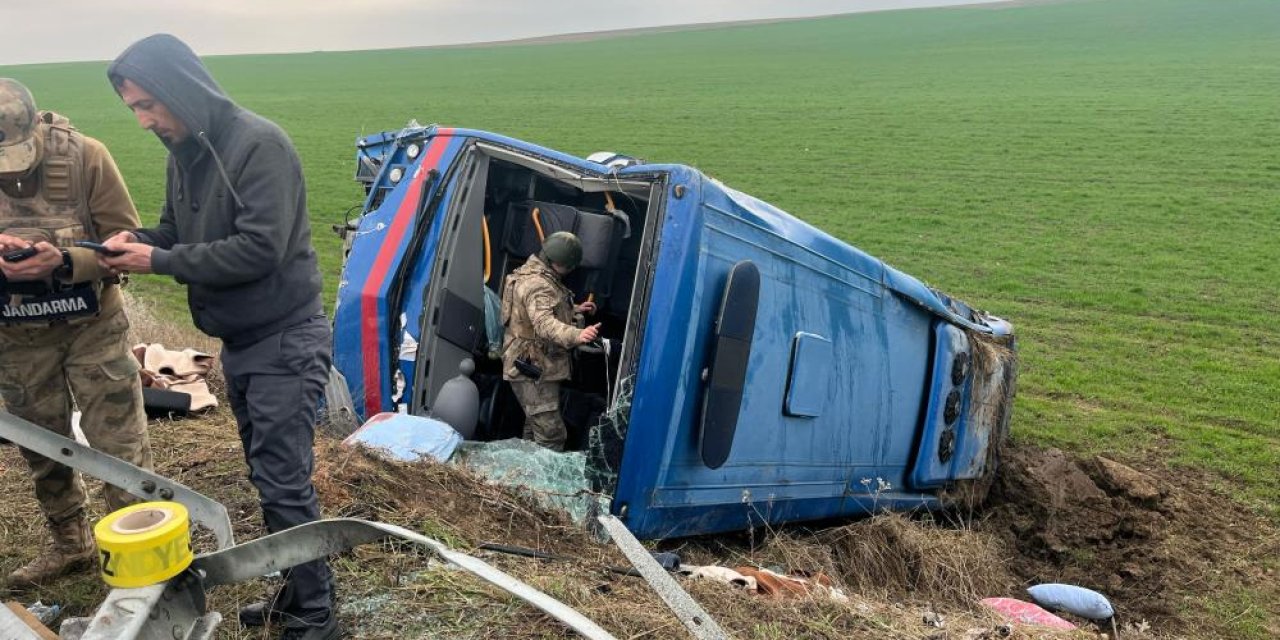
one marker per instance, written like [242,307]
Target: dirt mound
[1160,543]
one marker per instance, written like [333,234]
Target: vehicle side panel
[781,467]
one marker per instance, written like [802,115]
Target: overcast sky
[63,30]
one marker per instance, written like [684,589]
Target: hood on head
[170,71]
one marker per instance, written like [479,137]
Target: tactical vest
[507,303]
[57,213]
[521,345]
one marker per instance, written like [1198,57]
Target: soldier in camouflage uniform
[538,312]
[62,322]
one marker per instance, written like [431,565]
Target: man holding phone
[63,330]
[234,229]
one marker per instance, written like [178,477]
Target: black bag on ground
[163,403]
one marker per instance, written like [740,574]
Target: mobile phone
[99,247]
[21,254]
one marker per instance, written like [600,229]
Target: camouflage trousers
[42,368]
[542,421]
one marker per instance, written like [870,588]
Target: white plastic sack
[1072,599]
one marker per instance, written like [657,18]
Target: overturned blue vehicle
[758,371]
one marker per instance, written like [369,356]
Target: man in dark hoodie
[234,229]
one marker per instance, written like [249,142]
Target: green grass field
[1103,173]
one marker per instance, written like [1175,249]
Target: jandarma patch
[56,306]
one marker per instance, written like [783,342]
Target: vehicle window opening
[522,204]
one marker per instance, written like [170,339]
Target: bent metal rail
[176,608]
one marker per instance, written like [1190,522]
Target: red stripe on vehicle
[370,329]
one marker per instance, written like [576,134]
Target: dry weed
[893,555]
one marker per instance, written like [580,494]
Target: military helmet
[563,248]
[18,119]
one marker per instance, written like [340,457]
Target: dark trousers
[275,386]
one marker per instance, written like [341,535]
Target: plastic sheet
[45,613]
[1026,612]
[406,438]
[557,480]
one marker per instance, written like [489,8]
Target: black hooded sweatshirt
[234,226]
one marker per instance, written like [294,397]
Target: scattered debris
[723,575]
[184,372]
[365,606]
[776,585]
[45,613]
[338,412]
[933,619]
[1205,543]
[696,619]
[1064,519]
[769,583]
[557,480]
[73,627]
[19,623]
[667,560]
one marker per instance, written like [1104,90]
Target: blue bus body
[856,387]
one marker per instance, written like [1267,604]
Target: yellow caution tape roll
[144,544]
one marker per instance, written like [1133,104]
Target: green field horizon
[1102,173]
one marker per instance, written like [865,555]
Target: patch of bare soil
[1162,551]
[1159,542]
[1176,558]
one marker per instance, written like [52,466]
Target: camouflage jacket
[537,311]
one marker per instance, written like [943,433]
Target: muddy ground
[1160,542]
[1176,559]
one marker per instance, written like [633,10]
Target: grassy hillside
[1104,174]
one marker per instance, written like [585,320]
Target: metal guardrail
[176,609]
[147,485]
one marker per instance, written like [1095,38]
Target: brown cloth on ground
[182,371]
[769,583]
